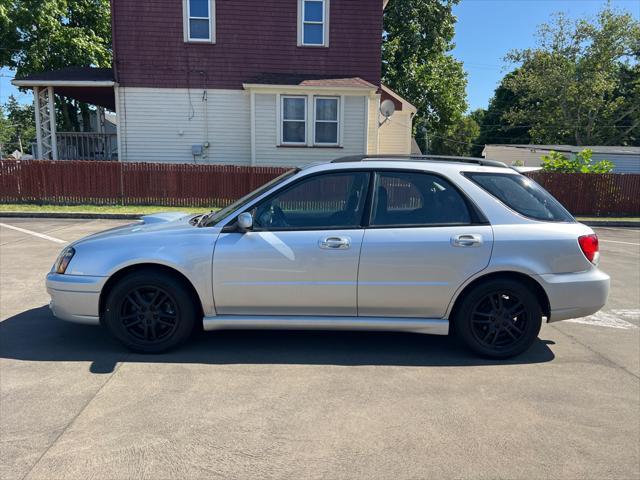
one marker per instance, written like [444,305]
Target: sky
[485,32]
[488,29]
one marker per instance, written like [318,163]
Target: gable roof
[400,103]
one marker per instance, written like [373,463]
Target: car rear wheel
[499,318]
[150,312]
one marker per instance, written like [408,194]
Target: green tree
[23,130]
[6,132]
[581,84]
[581,163]
[417,64]
[39,35]
[458,139]
[494,126]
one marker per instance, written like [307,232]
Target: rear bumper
[574,295]
[75,298]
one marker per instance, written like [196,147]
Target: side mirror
[245,221]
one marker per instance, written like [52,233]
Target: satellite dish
[387,108]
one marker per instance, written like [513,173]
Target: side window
[522,195]
[326,120]
[199,20]
[320,202]
[294,120]
[416,199]
[313,26]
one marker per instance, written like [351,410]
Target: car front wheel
[150,312]
[499,318]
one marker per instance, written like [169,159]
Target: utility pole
[425,130]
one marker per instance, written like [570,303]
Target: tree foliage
[580,163]
[40,35]
[6,132]
[459,139]
[494,126]
[416,62]
[18,130]
[581,84]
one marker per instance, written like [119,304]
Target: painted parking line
[615,241]
[35,234]
[614,319]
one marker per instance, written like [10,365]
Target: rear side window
[416,199]
[522,195]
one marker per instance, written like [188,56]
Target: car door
[301,256]
[424,240]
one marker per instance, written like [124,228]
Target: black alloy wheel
[151,311]
[149,314]
[499,318]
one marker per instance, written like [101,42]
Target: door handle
[335,243]
[466,240]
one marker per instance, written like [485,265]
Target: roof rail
[422,158]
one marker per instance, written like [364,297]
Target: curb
[74,215]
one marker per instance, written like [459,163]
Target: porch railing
[87,146]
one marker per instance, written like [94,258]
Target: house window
[199,20]
[294,120]
[326,121]
[313,23]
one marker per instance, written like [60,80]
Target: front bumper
[574,295]
[75,297]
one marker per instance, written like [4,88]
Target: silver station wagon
[421,244]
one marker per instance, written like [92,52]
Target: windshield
[214,217]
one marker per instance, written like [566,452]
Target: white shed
[625,159]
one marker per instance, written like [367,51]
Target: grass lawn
[148,209]
[135,209]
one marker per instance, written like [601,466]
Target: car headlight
[63,260]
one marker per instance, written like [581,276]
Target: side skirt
[249,322]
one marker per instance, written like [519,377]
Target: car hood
[156,223]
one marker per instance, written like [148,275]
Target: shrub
[582,163]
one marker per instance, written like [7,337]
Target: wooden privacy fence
[598,195]
[183,185]
[122,183]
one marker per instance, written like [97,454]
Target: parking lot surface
[75,404]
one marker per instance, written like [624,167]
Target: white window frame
[336,121]
[186,7]
[282,119]
[324,23]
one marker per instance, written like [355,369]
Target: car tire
[499,318]
[150,311]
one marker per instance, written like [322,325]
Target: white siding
[509,155]
[372,138]
[395,134]
[161,124]
[623,163]
[269,153]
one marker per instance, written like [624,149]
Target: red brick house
[277,82]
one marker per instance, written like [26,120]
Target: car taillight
[589,246]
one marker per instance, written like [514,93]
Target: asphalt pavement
[74,404]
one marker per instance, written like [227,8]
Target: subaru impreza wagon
[420,244]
